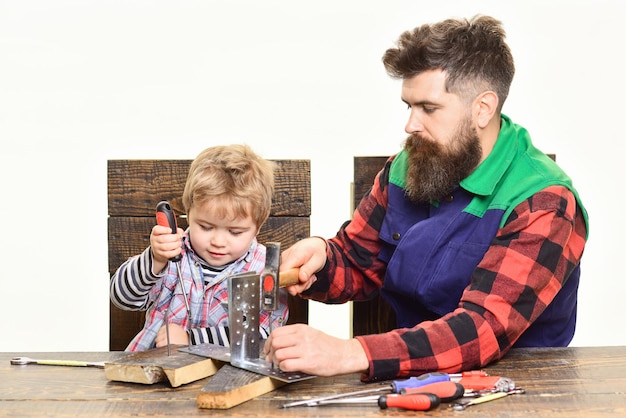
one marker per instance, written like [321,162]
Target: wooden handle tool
[289,277]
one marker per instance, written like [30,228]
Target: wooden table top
[587,382]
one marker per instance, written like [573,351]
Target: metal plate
[214,351]
[244,298]
[258,365]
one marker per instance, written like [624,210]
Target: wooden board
[152,366]
[231,386]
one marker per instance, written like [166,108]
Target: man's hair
[473,53]
[235,178]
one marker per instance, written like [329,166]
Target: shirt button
[449,198]
[396,236]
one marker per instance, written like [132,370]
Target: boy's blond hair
[238,181]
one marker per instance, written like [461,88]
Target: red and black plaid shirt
[507,284]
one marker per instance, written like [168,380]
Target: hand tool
[165,217]
[477,382]
[415,402]
[167,330]
[27,360]
[270,280]
[445,391]
[487,383]
[459,406]
[395,387]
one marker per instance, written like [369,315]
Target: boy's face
[219,239]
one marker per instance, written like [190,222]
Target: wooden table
[583,382]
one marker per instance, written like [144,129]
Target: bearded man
[472,235]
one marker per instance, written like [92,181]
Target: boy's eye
[206,227]
[236,232]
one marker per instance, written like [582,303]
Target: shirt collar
[484,179]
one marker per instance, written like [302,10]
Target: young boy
[227,197]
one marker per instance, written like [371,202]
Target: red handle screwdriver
[165,217]
[417,402]
[446,391]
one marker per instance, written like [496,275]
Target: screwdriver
[472,375]
[165,217]
[445,391]
[395,387]
[417,402]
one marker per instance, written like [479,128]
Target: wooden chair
[374,316]
[136,186]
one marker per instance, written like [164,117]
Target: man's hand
[178,335]
[301,348]
[309,255]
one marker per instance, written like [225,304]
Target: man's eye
[428,109]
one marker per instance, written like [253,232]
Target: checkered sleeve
[353,270]
[524,268]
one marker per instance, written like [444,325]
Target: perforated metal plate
[244,296]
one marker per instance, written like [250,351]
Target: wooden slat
[157,365]
[232,386]
[365,170]
[136,186]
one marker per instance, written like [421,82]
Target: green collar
[487,175]
[485,178]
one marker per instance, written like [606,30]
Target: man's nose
[414,124]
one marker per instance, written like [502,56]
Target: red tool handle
[416,402]
[165,217]
[479,382]
[446,391]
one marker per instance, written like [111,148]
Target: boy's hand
[164,245]
[178,335]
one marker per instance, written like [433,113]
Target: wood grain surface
[152,366]
[559,382]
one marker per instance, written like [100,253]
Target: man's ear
[486,105]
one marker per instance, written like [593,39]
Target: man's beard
[434,170]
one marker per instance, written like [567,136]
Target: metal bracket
[244,299]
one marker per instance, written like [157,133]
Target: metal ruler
[244,300]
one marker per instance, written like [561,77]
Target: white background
[85,81]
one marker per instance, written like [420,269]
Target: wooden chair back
[136,186]
[373,316]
